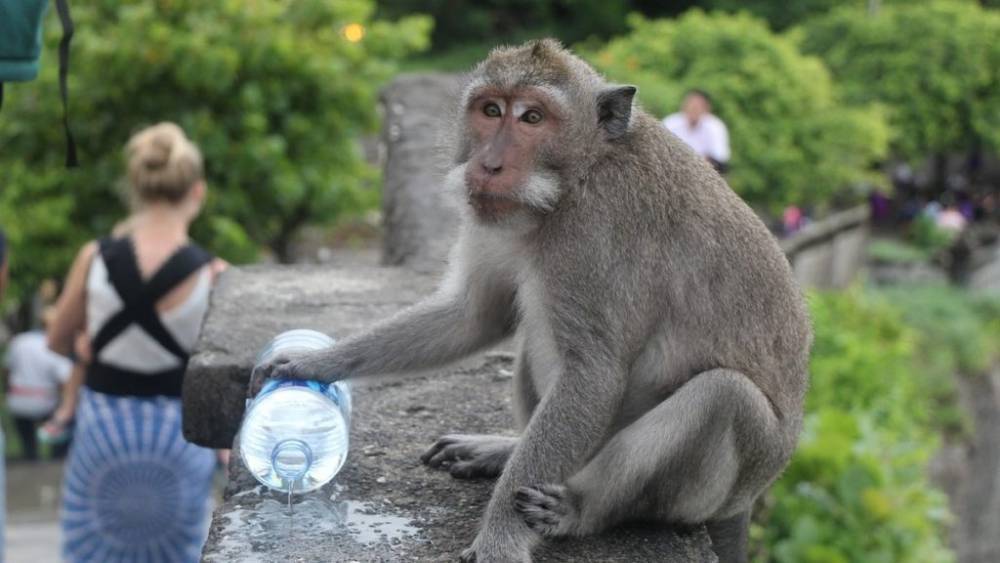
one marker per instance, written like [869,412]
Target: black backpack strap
[176,269]
[62,6]
[140,298]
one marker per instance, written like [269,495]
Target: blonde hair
[163,164]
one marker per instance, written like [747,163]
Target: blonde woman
[134,489]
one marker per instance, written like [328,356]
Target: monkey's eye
[492,110]
[531,116]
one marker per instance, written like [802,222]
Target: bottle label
[338,391]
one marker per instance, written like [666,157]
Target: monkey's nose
[492,168]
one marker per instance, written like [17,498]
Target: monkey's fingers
[275,368]
[468,556]
[447,454]
[441,443]
[473,469]
[545,508]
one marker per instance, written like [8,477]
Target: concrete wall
[829,253]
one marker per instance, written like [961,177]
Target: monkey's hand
[315,365]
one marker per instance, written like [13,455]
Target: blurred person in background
[58,428]
[3,264]
[140,296]
[700,129]
[34,375]
[3,445]
[950,217]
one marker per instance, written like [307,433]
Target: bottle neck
[291,459]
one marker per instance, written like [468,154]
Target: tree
[274,93]
[779,14]
[935,66]
[464,22]
[793,142]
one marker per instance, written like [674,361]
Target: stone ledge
[386,507]
[252,304]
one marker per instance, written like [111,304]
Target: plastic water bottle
[295,432]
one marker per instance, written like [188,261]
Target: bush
[273,93]
[856,489]
[958,332]
[778,14]
[792,141]
[897,252]
[924,233]
[933,64]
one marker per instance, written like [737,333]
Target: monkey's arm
[471,311]
[568,427]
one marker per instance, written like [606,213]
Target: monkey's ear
[614,109]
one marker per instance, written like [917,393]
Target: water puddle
[250,531]
[370,525]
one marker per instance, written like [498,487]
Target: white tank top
[133,349]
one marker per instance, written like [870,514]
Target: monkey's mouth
[492,206]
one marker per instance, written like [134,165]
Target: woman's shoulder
[87,252]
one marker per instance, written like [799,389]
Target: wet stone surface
[386,506]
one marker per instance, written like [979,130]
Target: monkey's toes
[546,509]
[468,556]
[474,469]
[444,450]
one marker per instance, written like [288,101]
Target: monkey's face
[508,133]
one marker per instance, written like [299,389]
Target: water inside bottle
[296,436]
[295,433]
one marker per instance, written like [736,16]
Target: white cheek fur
[541,191]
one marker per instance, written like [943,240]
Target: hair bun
[162,164]
[155,153]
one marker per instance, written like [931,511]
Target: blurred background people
[700,129]
[140,296]
[3,263]
[34,375]
[3,444]
[58,428]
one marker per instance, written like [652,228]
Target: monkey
[663,341]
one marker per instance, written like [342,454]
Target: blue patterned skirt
[134,490]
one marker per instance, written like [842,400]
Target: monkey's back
[726,295]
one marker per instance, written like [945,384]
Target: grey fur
[664,343]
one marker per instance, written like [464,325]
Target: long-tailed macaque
[663,340]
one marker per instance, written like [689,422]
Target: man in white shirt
[702,131]
[35,376]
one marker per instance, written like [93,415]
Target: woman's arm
[218,266]
[3,275]
[71,308]
[70,394]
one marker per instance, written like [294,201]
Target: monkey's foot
[547,509]
[470,456]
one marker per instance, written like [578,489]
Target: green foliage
[861,359]
[792,141]
[778,14]
[272,92]
[958,332]
[855,492]
[856,489]
[464,23]
[924,233]
[897,252]
[782,14]
[935,65]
